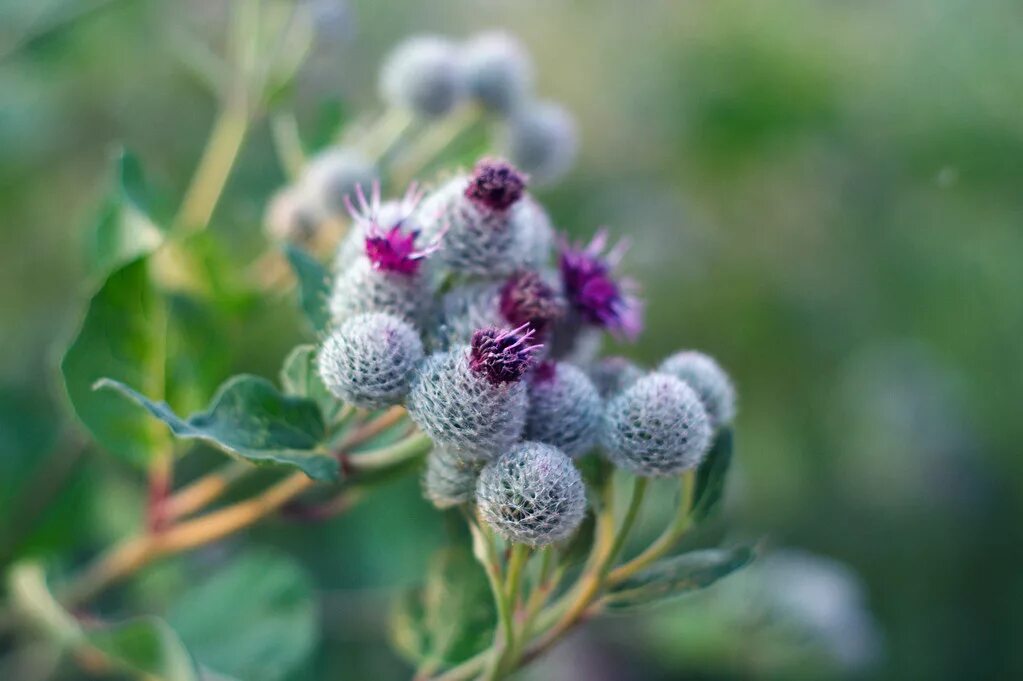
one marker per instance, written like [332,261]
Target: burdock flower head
[474,215]
[379,264]
[524,297]
[392,227]
[471,399]
[592,290]
[502,356]
[495,185]
[527,299]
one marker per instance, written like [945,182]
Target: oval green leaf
[250,418]
[711,475]
[255,619]
[313,287]
[677,576]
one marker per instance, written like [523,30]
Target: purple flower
[390,249]
[495,185]
[502,355]
[527,299]
[593,291]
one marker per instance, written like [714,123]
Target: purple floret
[502,356]
[527,299]
[594,292]
[391,249]
[495,185]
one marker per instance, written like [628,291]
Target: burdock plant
[455,338]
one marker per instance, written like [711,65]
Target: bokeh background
[826,195]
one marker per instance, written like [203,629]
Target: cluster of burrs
[432,80]
[463,306]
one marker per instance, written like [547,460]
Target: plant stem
[593,580]
[487,554]
[678,527]
[215,165]
[409,448]
[432,143]
[638,492]
[288,143]
[385,132]
[161,479]
[516,564]
[202,492]
[136,552]
[371,429]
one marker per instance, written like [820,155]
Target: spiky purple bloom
[502,355]
[527,299]
[390,248]
[495,185]
[594,292]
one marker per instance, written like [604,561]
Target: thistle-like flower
[595,295]
[422,75]
[708,379]
[657,427]
[495,185]
[532,494]
[502,356]
[386,276]
[470,399]
[369,361]
[565,409]
[497,70]
[374,217]
[526,298]
[472,217]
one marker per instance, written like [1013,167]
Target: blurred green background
[826,195]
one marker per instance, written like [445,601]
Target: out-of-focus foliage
[824,194]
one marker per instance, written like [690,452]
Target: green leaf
[677,576]
[171,347]
[124,228]
[313,286]
[145,645]
[250,418]
[254,619]
[451,617]
[299,377]
[711,475]
[121,337]
[197,353]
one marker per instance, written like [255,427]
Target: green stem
[486,553]
[638,492]
[432,144]
[385,133]
[516,564]
[411,447]
[593,580]
[678,527]
[214,167]
[134,553]
[288,143]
